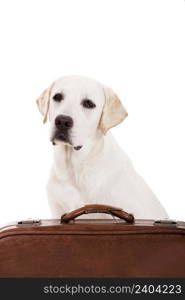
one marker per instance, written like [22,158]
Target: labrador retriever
[89,166]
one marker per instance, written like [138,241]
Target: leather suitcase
[70,247]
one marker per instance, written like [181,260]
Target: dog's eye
[88,103]
[58,97]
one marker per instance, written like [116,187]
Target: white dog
[89,166]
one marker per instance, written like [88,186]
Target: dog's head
[77,107]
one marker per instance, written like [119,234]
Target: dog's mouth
[60,136]
[64,137]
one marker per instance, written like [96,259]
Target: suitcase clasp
[29,222]
[165,222]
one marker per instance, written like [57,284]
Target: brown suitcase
[79,248]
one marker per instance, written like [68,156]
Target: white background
[135,47]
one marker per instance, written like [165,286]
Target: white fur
[100,172]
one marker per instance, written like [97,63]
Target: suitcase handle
[98,208]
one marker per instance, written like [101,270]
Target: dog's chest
[86,176]
[83,176]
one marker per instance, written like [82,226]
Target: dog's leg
[63,198]
[56,210]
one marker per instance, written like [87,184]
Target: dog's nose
[63,122]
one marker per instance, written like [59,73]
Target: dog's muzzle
[63,124]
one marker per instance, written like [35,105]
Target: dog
[89,166]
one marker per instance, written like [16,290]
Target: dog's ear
[113,111]
[43,102]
